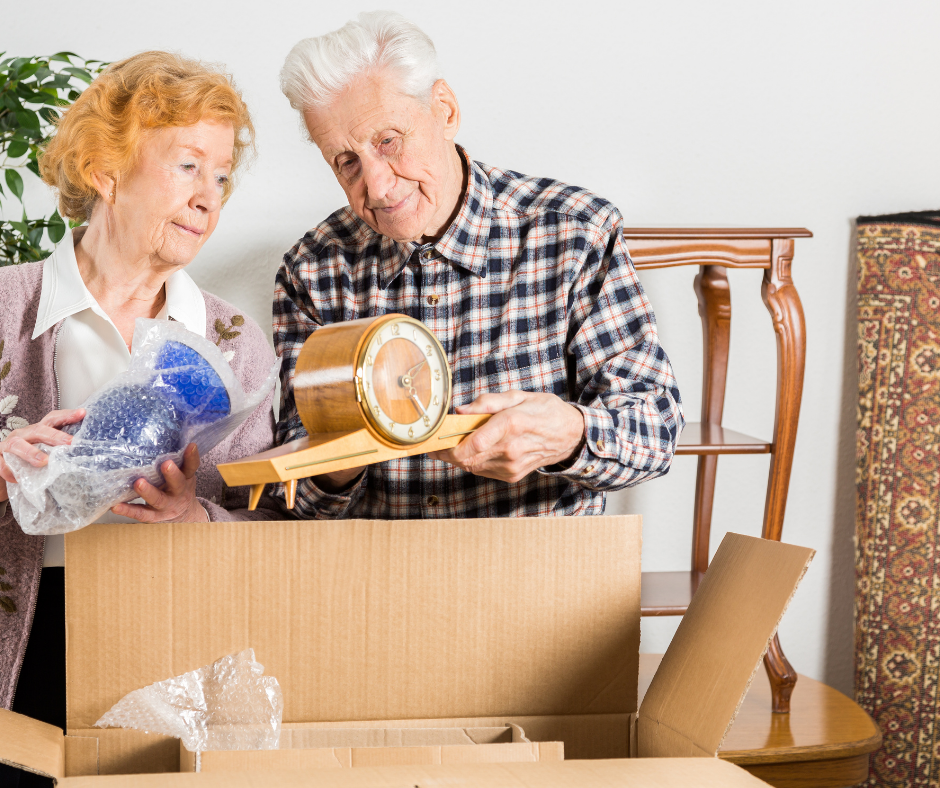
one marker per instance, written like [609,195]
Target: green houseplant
[33,91]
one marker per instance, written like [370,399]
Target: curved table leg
[786,311]
[714,307]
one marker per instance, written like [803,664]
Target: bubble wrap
[228,705]
[178,389]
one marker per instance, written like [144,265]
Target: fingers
[59,418]
[25,450]
[190,461]
[493,403]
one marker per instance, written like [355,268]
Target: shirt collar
[64,293]
[464,243]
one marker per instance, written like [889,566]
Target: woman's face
[168,206]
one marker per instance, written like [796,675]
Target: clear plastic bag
[228,705]
[178,390]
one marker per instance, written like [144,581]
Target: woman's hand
[176,501]
[22,442]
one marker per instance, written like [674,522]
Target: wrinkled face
[168,205]
[393,155]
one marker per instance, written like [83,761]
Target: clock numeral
[411,432]
[378,339]
[391,425]
[395,329]
[366,384]
[368,361]
[427,421]
[375,409]
[437,374]
[415,334]
[428,350]
[436,400]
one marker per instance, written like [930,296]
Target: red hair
[102,130]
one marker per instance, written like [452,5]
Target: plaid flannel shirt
[530,288]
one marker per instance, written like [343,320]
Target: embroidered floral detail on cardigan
[8,402]
[228,332]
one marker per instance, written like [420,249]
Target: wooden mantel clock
[367,391]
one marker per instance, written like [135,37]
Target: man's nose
[378,177]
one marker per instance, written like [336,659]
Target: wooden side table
[714,251]
[824,742]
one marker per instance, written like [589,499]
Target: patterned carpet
[897,600]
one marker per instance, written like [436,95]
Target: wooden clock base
[333,451]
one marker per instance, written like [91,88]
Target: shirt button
[433,299]
[428,254]
[589,469]
[433,500]
[601,445]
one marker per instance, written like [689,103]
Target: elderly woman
[146,156]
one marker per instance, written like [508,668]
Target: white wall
[737,113]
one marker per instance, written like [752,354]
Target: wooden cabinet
[714,251]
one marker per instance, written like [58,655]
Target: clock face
[405,381]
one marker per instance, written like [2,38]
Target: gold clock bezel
[378,428]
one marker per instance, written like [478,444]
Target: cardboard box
[409,624]
[321,748]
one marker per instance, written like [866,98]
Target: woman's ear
[444,101]
[105,185]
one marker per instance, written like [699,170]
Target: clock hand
[411,372]
[414,398]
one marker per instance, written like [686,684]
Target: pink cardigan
[28,391]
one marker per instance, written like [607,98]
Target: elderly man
[525,281]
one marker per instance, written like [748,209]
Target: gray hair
[319,69]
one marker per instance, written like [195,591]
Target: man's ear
[444,101]
[105,185]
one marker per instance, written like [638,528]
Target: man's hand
[527,431]
[176,501]
[21,442]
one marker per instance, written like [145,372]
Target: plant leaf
[5,370]
[80,73]
[220,327]
[56,228]
[7,605]
[27,119]
[17,148]
[15,182]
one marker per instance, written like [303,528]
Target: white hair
[319,69]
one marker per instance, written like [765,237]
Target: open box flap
[652,773]
[364,620]
[708,667]
[31,745]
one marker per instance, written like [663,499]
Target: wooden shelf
[667,593]
[705,438]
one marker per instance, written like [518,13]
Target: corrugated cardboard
[318,748]
[427,624]
[717,649]
[636,773]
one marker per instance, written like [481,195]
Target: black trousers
[40,692]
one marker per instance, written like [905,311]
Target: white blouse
[89,349]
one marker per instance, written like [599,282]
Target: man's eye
[189,167]
[386,141]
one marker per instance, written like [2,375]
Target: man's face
[393,155]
